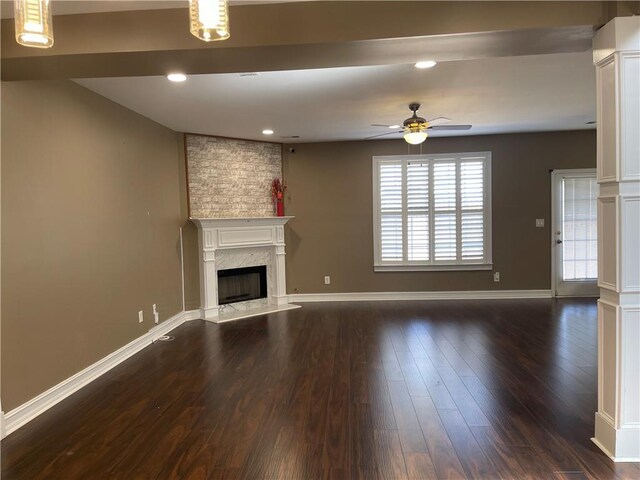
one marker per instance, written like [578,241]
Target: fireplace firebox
[242,284]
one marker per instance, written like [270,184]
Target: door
[574,233]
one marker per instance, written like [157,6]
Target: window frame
[431,264]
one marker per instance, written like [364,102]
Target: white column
[616,54]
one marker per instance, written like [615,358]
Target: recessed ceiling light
[393,127]
[176,77]
[267,131]
[425,64]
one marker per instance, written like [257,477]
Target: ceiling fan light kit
[415,137]
[415,127]
[209,19]
[33,22]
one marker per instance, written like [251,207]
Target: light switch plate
[539,222]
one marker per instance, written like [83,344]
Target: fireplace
[227,245]
[242,284]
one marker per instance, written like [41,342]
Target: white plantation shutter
[445,236]
[444,185]
[472,233]
[471,208]
[418,211]
[391,187]
[432,211]
[444,207]
[472,184]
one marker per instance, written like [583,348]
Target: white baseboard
[26,412]
[192,315]
[386,296]
[3,428]
[613,457]
[619,444]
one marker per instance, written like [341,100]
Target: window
[579,224]
[432,212]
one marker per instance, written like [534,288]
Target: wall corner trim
[3,429]
[386,296]
[29,410]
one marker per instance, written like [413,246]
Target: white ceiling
[495,95]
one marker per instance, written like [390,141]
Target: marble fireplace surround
[225,243]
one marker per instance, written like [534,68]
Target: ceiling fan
[415,127]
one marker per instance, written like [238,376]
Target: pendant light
[209,19]
[33,23]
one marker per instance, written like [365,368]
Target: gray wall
[330,194]
[90,231]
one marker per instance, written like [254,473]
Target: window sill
[432,268]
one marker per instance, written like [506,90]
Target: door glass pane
[579,227]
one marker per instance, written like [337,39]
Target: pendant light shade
[209,19]
[415,136]
[33,23]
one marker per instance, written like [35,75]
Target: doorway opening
[574,233]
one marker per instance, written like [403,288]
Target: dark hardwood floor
[392,390]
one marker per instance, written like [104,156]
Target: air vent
[250,74]
[291,136]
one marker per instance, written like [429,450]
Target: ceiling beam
[301,35]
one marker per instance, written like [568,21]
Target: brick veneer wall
[231,178]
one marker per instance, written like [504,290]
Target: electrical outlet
[327,280]
[140,316]
[496,276]
[539,222]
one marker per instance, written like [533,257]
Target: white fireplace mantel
[243,240]
[240,222]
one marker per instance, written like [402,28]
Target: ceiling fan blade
[450,127]
[383,134]
[438,121]
[380,125]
